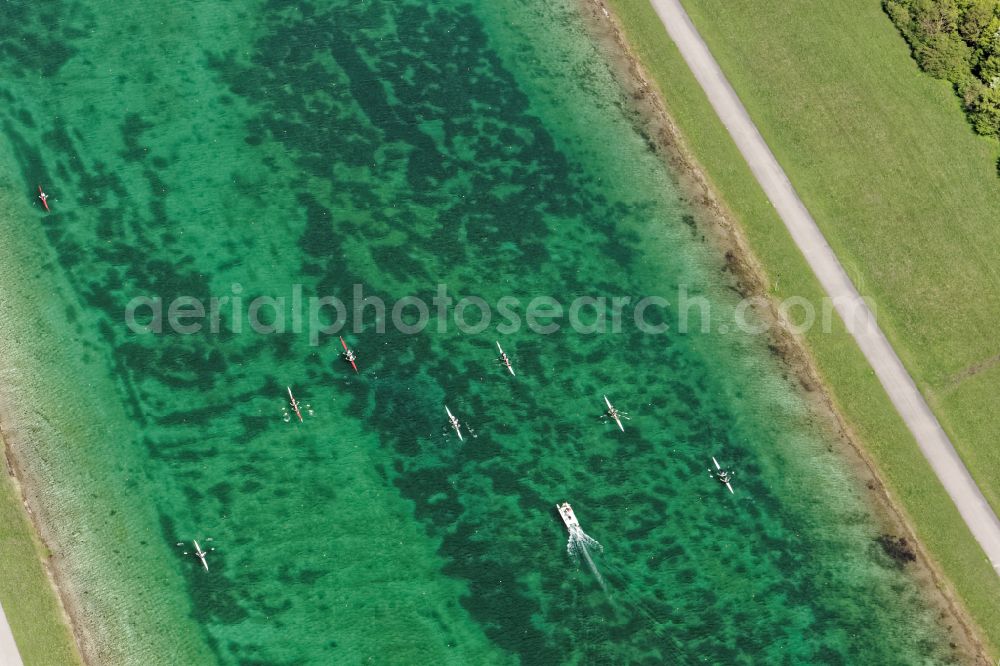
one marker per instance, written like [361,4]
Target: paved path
[9,656]
[910,404]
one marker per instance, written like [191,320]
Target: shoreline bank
[49,427]
[31,565]
[42,532]
[653,119]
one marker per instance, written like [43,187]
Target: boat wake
[579,546]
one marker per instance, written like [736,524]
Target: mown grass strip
[854,388]
[904,190]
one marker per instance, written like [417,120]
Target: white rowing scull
[454,423]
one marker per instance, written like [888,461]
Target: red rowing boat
[44,198]
[349,356]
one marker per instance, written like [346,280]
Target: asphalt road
[860,321]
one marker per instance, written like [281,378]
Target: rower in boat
[44,198]
[454,423]
[201,554]
[723,476]
[349,355]
[615,414]
[294,403]
[505,360]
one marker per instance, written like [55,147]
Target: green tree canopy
[957,40]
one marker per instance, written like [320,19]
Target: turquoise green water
[399,146]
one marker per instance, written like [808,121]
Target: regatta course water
[244,148]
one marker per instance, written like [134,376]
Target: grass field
[27,597]
[904,191]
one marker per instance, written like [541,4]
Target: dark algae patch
[897,548]
[248,148]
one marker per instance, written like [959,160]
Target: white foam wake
[579,545]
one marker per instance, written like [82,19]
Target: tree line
[957,40]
